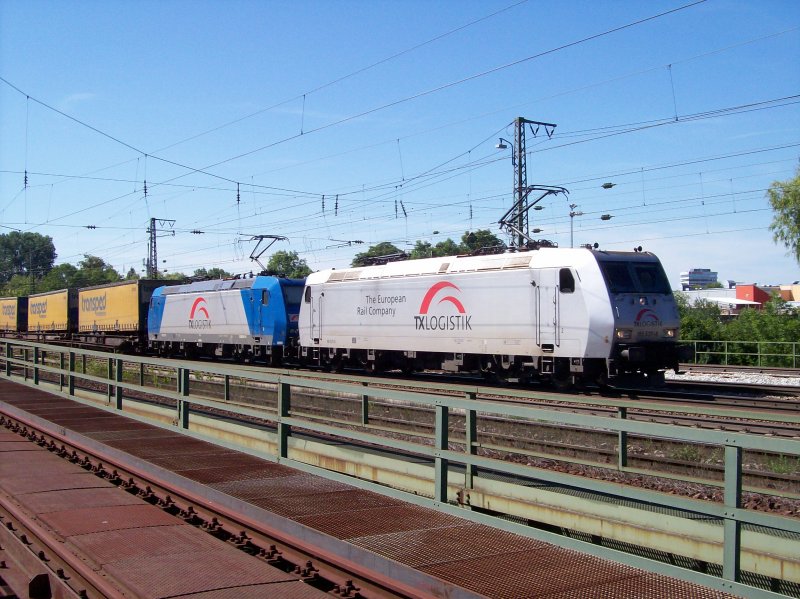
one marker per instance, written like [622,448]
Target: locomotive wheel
[562,382]
[562,379]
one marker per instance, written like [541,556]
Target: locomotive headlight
[622,333]
[671,333]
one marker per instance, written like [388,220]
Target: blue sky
[392,106]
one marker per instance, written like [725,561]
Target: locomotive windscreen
[635,277]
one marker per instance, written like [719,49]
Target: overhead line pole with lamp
[519,160]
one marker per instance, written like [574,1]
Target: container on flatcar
[252,318]
[113,313]
[13,314]
[53,311]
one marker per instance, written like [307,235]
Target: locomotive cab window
[265,298]
[651,278]
[308,295]
[566,282]
[635,277]
[618,277]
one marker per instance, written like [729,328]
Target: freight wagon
[13,314]
[52,315]
[115,314]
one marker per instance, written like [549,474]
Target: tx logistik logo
[455,322]
[95,303]
[646,318]
[199,309]
[39,308]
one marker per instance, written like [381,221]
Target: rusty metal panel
[293,484]
[554,572]
[379,521]
[645,585]
[119,545]
[294,506]
[37,482]
[53,501]
[143,432]
[183,574]
[7,446]
[186,465]
[24,464]
[173,445]
[420,548]
[544,571]
[283,590]
[96,519]
[215,476]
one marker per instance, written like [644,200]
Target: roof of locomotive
[541,258]
[257,282]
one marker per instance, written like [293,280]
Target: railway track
[256,547]
[774,416]
[727,368]
[462,556]
[594,452]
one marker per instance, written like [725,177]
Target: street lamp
[572,215]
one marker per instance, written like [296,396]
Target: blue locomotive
[244,319]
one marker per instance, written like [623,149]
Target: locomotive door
[547,309]
[316,317]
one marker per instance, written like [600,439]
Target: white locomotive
[562,315]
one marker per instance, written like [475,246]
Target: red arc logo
[426,301]
[197,307]
[646,314]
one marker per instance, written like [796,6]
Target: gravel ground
[749,378]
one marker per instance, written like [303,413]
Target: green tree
[288,264]
[472,241]
[61,276]
[172,276]
[699,321]
[20,285]
[448,247]
[132,275]
[93,270]
[211,273]
[384,248]
[25,254]
[422,249]
[784,197]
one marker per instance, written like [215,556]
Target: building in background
[744,295]
[699,278]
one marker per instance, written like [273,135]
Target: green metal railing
[779,354]
[112,379]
